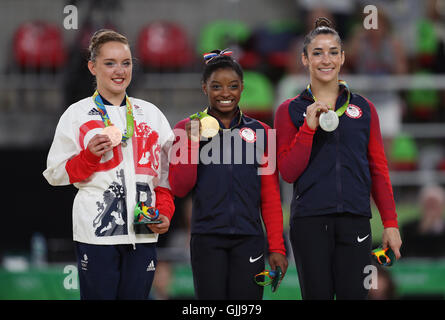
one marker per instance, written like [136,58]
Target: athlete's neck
[325,90]
[225,117]
[114,99]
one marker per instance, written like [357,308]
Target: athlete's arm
[83,165]
[271,211]
[294,144]
[183,163]
[381,185]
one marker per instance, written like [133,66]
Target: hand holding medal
[328,119]
[99,145]
[114,134]
[314,112]
[110,130]
[208,126]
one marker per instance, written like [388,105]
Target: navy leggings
[115,272]
[331,253]
[224,266]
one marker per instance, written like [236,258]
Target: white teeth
[326,70]
[118,80]
[226,101]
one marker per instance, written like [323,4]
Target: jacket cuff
[90,157]
[282,251]
[390,224]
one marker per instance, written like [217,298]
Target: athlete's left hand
[277,259]
[391,238]
[160,227]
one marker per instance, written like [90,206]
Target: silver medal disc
[329,121]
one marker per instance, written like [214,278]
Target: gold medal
[209,126]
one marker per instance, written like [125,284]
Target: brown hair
[101,37]
[322,26]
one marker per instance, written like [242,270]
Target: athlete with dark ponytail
[231,195]
[330,147]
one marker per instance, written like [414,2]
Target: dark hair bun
[323,22]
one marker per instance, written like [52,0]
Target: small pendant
[124,144]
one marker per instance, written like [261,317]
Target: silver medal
[329,121]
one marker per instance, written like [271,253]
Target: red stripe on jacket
[182,176]
[293,146]
[82,166]
[381,184]
[271,210]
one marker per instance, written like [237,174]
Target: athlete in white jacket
[116,258]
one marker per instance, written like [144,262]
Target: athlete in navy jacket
[230,193]
[334,174]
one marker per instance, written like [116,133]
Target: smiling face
[324,58]
[112,69]
[223,89]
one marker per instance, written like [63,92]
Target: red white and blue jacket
[110,186]
[338,171]
[229,195]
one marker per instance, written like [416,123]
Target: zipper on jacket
[231,190]
[129,168]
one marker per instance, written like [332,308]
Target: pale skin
[324,60]
[113,71]
[223,89]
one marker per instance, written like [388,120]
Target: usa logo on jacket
[354,111]
[248,134]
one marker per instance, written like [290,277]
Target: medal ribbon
[106,119]
[342,109]
[200,114]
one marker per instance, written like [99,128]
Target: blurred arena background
[400,66]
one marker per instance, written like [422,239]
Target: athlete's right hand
[313,112]
[278,260]
[99,144]
[193,129]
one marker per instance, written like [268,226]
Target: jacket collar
[236,121]
[342,95]
[108,103]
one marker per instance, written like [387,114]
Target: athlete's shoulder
[150,111]
[139,103]
[181,124]
[360,100]
[78,110]
[286,103]
[85,103]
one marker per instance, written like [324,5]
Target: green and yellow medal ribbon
[106,119]
[343,108]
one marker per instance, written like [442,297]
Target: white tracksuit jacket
[104,204]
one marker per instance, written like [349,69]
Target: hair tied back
[215,53]
[323,22]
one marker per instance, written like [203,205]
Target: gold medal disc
[209,126]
